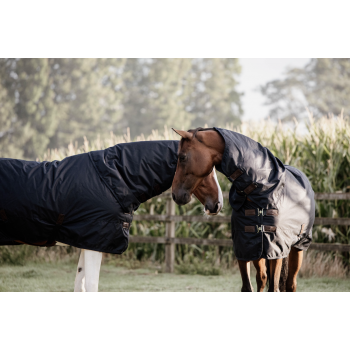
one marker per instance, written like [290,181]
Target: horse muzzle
[181,198]
[213,210]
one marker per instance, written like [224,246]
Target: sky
[258,71]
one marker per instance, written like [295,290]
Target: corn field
[321,149]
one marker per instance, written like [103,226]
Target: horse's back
[64,201]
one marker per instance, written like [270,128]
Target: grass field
[59,277]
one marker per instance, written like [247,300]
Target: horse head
[195,172]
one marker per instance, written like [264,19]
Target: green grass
[59,277]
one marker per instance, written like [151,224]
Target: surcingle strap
[39,244]
[261,212]
[236,174]
[250,188]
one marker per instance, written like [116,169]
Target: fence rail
[170,218]
[226,219]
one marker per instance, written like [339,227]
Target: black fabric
[277,186]
[83,200]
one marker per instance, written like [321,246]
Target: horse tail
[283,276]
[267,263]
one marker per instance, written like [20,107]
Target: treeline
[47,102]
[322,86]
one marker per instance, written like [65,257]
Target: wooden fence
[170,218]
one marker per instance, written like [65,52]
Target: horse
[88,200]
[273,204]
[208,193]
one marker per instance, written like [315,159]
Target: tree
[214,98]
[48,102]
[52,101]
[31,120]
[323,86]
[182,93]
[89,96]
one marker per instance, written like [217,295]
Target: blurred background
[297,107]
[48,103]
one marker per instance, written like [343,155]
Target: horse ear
[184,134]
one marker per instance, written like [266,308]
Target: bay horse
[88,200]
[273,204]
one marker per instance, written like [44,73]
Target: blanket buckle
[259,228]
[260,212]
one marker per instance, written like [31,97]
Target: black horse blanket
[86,200]
[273,204]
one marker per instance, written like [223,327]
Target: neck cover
[252,169]
[135,172]
[86,201]
[273,204]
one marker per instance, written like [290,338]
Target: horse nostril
[174,197]
[206,207]
[184,197]
[216,207]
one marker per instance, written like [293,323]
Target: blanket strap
[250,188]
[262,212]
[262,228]
[236,174]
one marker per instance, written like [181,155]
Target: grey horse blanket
[273,204]
[86,200]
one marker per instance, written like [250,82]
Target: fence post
[170,233]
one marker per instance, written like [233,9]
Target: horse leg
[294,265]
[79,285]
[261,275]
[275,273]
[244,268]
[92,262]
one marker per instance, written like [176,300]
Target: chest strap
[236,174]
[262,228]
[261,212]
[250,188]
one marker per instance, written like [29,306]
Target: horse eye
[182,158]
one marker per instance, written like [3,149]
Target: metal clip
[260,212]
[259,228]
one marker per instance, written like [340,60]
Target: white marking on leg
[92,270]
[220,196]
[79,285]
